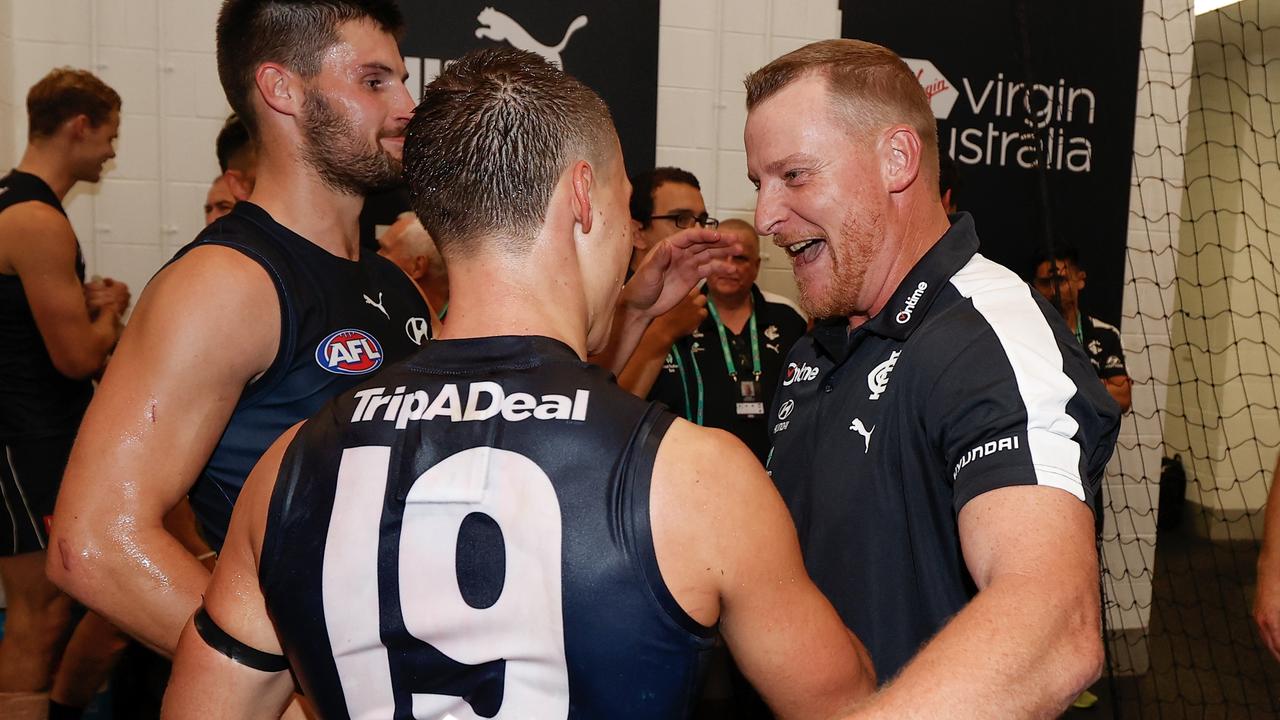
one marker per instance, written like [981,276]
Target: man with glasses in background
[664,201]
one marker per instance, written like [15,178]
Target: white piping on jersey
[1004,301]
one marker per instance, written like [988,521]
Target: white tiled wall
[7,153]
[158,54]
[706,48]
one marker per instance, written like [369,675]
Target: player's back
[469,536]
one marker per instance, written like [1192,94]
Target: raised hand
[673,267]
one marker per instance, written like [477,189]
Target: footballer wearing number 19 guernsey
[493,528]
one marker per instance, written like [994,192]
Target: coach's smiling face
[822,195]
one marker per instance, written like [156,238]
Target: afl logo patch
[349,352]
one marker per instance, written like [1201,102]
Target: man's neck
[734,310]
[44,162]
[298,199]
[914,233]
[491,296]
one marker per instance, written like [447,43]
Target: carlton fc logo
[349,352]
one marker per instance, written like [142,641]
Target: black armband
[218,639]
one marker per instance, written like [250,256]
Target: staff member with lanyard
[724,374]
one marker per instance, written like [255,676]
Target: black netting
[1202,328]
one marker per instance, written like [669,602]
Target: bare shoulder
[19,223]
[703,463]
[224,271]
[212,285]
[195,306]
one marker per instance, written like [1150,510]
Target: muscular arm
[205,683]
[727,548]
[1266,604]
[198,335]
[1031,639]
[45,262]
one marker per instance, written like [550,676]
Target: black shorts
[30,474]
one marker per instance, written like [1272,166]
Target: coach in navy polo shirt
[943,434]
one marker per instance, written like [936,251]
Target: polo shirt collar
[910,302]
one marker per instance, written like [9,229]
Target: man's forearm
[144,582]
[1018,650]
[1269,557]
[646,363]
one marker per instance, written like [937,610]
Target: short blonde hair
[872,88]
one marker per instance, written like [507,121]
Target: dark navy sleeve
[1018,404]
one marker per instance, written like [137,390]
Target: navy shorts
[30,474]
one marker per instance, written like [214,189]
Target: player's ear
[1080,278]
[279,88]
[78,126]
[583,181]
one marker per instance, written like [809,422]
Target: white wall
[7,153]
[158,54]
[706,48]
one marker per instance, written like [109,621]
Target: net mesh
[1202,333]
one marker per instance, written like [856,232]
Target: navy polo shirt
[778,325]
[965,382]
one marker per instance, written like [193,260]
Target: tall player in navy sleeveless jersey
[272,311]
[494,528]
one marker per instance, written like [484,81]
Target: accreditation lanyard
[724,343]
[1079,329]
[684,382]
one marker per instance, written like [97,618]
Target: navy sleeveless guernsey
[36,401]
[468,535]
[340,320]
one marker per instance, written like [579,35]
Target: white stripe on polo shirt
[1005,302]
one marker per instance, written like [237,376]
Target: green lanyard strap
[1079,329]
[724,343]
[674,355]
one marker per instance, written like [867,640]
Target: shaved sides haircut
[490,140]
[294,33]
[871,88]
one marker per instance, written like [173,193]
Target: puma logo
[500,27]
[862,430]
[369,301]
